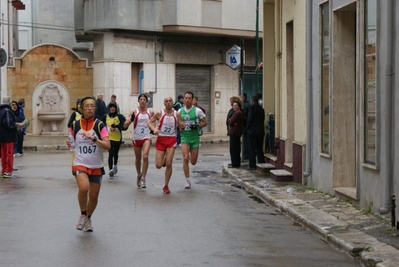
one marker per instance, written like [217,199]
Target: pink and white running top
[167,124]
[141,130]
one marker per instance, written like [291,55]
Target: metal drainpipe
[156,64]
[309,69]
[386,104]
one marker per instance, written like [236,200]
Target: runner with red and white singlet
[141,139]
[167,138]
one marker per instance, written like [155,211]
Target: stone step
[281,176]
[265,167]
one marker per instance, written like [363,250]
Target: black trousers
[113,154]
[235,150]
[256,150]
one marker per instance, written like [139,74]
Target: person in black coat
[245,141]
[76,114]
[20,134]
[101,107]
[256,131]
[8,136]
[235,124]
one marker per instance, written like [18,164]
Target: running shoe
[111,173]
[138,180]
[115,169]
[166,189]
[88,227]
[8,175]
[142,185]
[188,185]
[81,222]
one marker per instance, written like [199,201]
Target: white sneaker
[111,173]
[138,182]
[115,169]
[142,185]
[188,185]
[81,222]
[88,227]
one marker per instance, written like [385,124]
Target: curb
[364,248]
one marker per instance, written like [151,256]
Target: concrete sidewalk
[369,238]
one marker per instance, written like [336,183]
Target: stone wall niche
[50,107]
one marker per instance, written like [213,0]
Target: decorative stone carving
[51,110]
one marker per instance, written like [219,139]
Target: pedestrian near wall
[18,150]
[18,118]
[256,132]
[166,140]
[235,123]
[76,114]
[115,123]
[113,100]
[90,139]
[231,111]
[8,137]
[245,141]
[141,139]
[101,108]
[191,120]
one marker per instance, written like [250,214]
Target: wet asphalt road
[213,224]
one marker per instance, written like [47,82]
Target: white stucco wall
[294,11]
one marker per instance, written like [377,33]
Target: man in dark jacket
[256,132]
[101,108]
[245,141]
[8,136]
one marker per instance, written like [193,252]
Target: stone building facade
[56,70]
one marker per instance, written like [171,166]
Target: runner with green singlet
[191,121]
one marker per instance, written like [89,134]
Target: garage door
[196,79]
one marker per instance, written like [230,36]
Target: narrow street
[213,224]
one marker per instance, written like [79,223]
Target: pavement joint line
[332,230]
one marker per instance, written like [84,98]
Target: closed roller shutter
[196,79]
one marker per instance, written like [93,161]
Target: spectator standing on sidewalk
[101,108]
[235,123]
[231,110]
[18,150]
[18,118]
[115,123]
[177,106]
[90,139]
[113,100]
[256,131]
[191,120]
[8,137]
[195,103]
[245,141]
[166,140]
[141,139]
[76,114]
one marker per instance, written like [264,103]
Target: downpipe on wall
[309,79]
[156,64]
[387,104]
